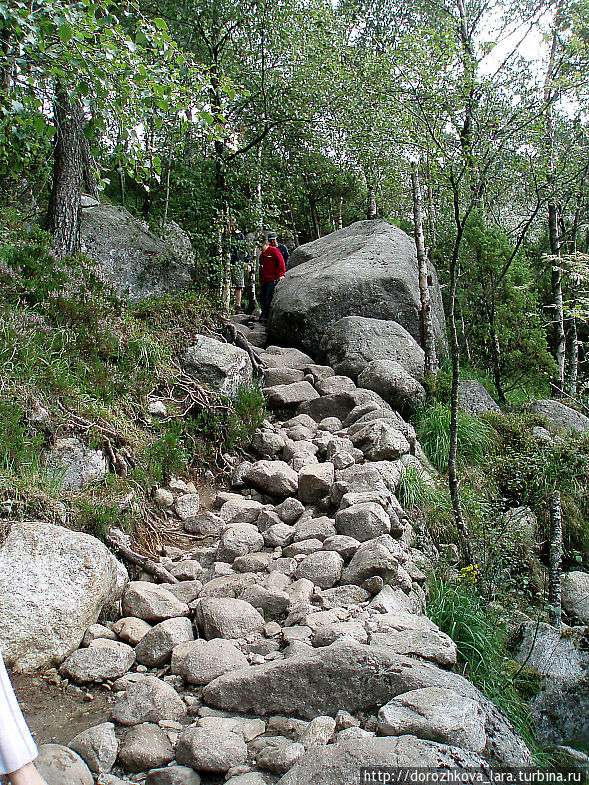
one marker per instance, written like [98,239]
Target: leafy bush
[476,439]
[70,290]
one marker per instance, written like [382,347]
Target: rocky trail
[292,646]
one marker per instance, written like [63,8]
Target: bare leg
[28,775]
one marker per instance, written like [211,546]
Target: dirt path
[55,714]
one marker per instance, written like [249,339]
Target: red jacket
[271,265]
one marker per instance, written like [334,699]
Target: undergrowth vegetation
[463,613]
[71,350]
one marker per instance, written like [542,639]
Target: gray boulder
[147,700]
[73,465]
[274,477]
[155,648]
[561,712]
[575,595]
[97,663]
[344,674]
[436,714]
[369,268]
[173,775]
[132,258]
[474,399]
[363,521]
[98,747]
[323,568]
[200,661]
[560,657]
[227,618]
[210,750]
[221,366]
[352,343]
[151,602]
[61,766]
[145,747]
[341,762]
[53,584]
[393,383]
[561,416]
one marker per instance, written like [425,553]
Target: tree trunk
[559,333]
[555,560]
[429,343]
[553,235]
[167,188]
[122,184]
[371,209]
[63,213]
[259,194]
[461,525]
[465,340]
[340,219]
[314,215]
[495,352]
[573,359]
[226,264]
[88,161]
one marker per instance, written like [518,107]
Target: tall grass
[476,439]
[462,612]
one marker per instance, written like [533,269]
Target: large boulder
[369,269]
[132,258]
[474,399]
[53,584]
[352,343]
[221,366]
[561,416]
[61,766]
[73,466]
[359,678]
[343,762]
[575,595]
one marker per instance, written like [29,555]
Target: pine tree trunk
[429,343]
[573,359]
[63,213]
[555,560]
[371,208]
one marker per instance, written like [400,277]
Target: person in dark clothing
[272,270]
[275,240]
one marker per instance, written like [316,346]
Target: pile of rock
[294,644]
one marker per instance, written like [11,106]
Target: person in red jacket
[272,270]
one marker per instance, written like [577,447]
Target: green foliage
[476,440]
[20,445]
[463,613]
[246,414]
[527,471]
[97,519]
